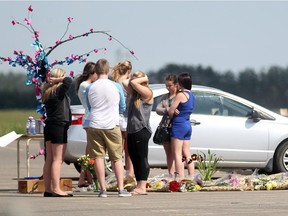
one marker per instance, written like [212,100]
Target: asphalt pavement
[13,203]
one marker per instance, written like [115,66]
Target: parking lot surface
[13,203]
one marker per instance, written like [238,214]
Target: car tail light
[77,119]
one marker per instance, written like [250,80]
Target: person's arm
[127,86]
[173,108]
[162,108]
[64,87]
[122,103]
[87,98]
[144,91]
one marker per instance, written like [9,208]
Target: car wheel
[281,158]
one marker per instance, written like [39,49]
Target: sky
[224,35]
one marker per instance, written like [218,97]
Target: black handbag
[162,133]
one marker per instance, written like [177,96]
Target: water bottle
[28,126]
[33,126]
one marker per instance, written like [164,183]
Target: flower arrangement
[206,164]
[38,66]
[87,163]
[41,152]
[166,183]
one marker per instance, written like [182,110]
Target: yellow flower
[269,186]
[158,184]
[274,184]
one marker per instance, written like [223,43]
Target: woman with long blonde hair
[120,73]
[138,128]
[57,105]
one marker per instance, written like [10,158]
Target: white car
[242,133]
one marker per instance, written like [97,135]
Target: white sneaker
[124,193]
[102,194]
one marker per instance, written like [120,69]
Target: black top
[58,104]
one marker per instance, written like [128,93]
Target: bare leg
[169,159]
[100,172]
[118,169]
[84,173]
[58,151]
[189,162]
[82,181]
[177,146]
[47,167]
[140,188]
[128,162]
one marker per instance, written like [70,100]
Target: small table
[27,138]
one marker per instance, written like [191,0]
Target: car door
[227,131]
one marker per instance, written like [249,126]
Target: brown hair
[102,67]
[121,69]
[171,77]
[185,80]
[136,97]
[89,69]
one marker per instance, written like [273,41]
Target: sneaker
[103,194]
[124,193]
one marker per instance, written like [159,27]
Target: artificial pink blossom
[41,152]
[234,181]
[91,30]
[34,80]
[70,19]
[71,73]
[95,50]
[58,41]
[70,36]
[15,52]
[14,22]
[37,92]
[37,33]
[28,22]
[132,52]
[32,157]
[30,8]
[110,38]
[55,61]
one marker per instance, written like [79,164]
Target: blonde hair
[136,97]
[120,69]
[48,88]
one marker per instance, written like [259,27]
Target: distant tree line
[268,88]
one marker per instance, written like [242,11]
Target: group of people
[116,120]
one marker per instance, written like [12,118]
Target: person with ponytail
[138,127]
[87,77]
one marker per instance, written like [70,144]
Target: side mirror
[255,116]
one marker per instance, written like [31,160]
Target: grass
[15,120]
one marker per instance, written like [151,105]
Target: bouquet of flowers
[87,163]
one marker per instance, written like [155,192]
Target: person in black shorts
[57,105]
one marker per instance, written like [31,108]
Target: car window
[214,104]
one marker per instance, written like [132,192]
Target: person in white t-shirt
[105,101]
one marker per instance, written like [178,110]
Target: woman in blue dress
[181,130]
